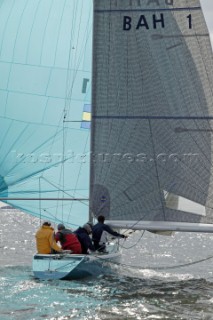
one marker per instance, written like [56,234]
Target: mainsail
[45,94]
[152,123]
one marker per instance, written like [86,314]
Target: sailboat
[128,136]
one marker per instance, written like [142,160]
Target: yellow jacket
[45,240]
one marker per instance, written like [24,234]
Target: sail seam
[146,10]
[154,117]
[157,173]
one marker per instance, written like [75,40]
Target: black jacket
[97,230]
[86,242]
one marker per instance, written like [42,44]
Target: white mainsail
[152,112]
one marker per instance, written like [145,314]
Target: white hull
[71,266]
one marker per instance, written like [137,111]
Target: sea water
[158,278]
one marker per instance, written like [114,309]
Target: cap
[61,226]
[90,224]
[46,223]
[87,227]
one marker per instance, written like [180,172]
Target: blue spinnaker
[45,88]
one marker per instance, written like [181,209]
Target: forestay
[45,94]
[152,114]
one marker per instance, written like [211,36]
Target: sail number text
[157,21]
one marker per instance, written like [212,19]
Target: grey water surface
[157,278]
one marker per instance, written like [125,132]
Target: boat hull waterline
[71,266]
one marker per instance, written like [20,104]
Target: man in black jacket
[83,237]
[98,234]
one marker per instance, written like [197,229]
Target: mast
[92,159]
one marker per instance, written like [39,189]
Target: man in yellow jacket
[45,239]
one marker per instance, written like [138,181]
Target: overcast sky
[207,6]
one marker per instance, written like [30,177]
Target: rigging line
[141,268]
[52,139]
[55,186]
[50,207]
[134,243]
[70,96]
[134,224]
[77,180]
[66,110]
[67,107]
[52,217]
[62,171]
[32,122]
[40,199]
[63,116]
[185,264]
[59,121]
[154,268]
[63,168]
[48,215]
